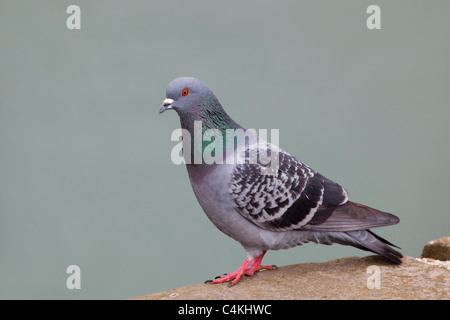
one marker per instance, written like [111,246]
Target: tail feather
[369,241]
[382,239]
[361,239]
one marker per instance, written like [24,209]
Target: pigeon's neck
[210,118]
[208,131]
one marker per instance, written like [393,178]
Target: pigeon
[264,206]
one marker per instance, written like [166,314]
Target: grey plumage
[292,205]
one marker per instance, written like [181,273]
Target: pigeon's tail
[369,241]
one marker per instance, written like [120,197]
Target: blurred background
[85,171]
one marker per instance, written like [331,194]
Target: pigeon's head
[187,95]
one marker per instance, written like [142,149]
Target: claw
[248,268]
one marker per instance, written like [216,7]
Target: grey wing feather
[348,217]
[297,197]
[285,200]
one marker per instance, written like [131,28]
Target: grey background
[85,170]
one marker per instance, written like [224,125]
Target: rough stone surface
[346,278]
[438,249]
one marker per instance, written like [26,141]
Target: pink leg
[249,267]
[256,266]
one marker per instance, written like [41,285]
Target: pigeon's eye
[185,92]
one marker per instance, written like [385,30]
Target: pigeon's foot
[249,267]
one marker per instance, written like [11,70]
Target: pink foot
[249,267]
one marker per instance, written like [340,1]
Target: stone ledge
[437,249]
[345,278]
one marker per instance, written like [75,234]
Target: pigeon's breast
[212,192]
[213,196]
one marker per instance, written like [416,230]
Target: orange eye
[185,92]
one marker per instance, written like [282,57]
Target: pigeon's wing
[296,197]
[348,217]
[285,200]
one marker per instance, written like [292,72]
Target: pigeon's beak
[167,104]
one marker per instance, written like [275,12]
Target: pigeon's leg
[256,265]
[249,267]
